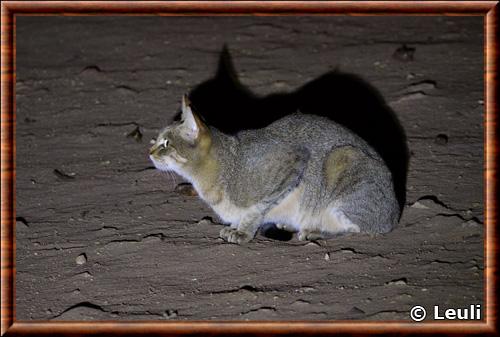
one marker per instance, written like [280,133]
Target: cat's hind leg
[332,222]
[311,235]
[335,221]
[310,229]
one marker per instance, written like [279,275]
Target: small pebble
[136,134]
[186,189]
[64,176]
[170,314]
[306,289]
[419,205]
[404,53]
[470,223]
[441,139]
[206,221]
[398,282]
[81,259]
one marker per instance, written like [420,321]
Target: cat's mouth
[158,163]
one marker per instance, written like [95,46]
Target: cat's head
[183,146]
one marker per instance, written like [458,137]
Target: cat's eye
[165,143]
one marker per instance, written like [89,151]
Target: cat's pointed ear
[186,107]
[191,123]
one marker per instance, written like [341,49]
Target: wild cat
[302,172]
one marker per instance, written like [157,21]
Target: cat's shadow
[225,103]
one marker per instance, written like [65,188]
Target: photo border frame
[11,9]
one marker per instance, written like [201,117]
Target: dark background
[101,235]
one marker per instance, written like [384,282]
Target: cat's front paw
[234,235]
[305,235]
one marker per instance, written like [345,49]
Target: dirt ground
[101,235]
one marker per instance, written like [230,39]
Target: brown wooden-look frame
[10,9]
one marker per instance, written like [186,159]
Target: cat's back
[314,133]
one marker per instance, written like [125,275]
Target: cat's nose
[152,150]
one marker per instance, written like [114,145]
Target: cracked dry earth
[101,235]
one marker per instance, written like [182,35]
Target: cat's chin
[159,165]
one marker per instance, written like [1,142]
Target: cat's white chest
[229,212]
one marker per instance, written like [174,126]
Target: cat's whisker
[169,175]
[175,178]
[172,178]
